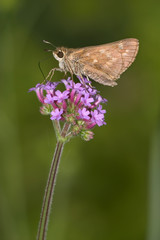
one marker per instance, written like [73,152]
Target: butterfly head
[59,54]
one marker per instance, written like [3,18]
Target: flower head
[78,104]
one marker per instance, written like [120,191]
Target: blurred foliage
[105,186]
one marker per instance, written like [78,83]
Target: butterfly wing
[105,63]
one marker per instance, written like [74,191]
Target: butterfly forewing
[105,63]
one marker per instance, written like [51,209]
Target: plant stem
[48,196]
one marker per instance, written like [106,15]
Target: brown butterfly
[103,63]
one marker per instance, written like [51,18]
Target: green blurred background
[108,188]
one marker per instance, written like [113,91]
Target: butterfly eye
[60,54]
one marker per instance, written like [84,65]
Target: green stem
[48,196]
[57,128]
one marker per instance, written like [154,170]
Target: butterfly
[102,63]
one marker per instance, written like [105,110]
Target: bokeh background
[108,188]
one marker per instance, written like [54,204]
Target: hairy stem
[48,196]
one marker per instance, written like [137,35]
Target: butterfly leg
[72,79]
[51,73]
[89,83]
[65,73]
[82,80]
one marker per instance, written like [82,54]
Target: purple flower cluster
[77,104]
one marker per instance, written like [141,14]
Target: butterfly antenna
[49,43]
